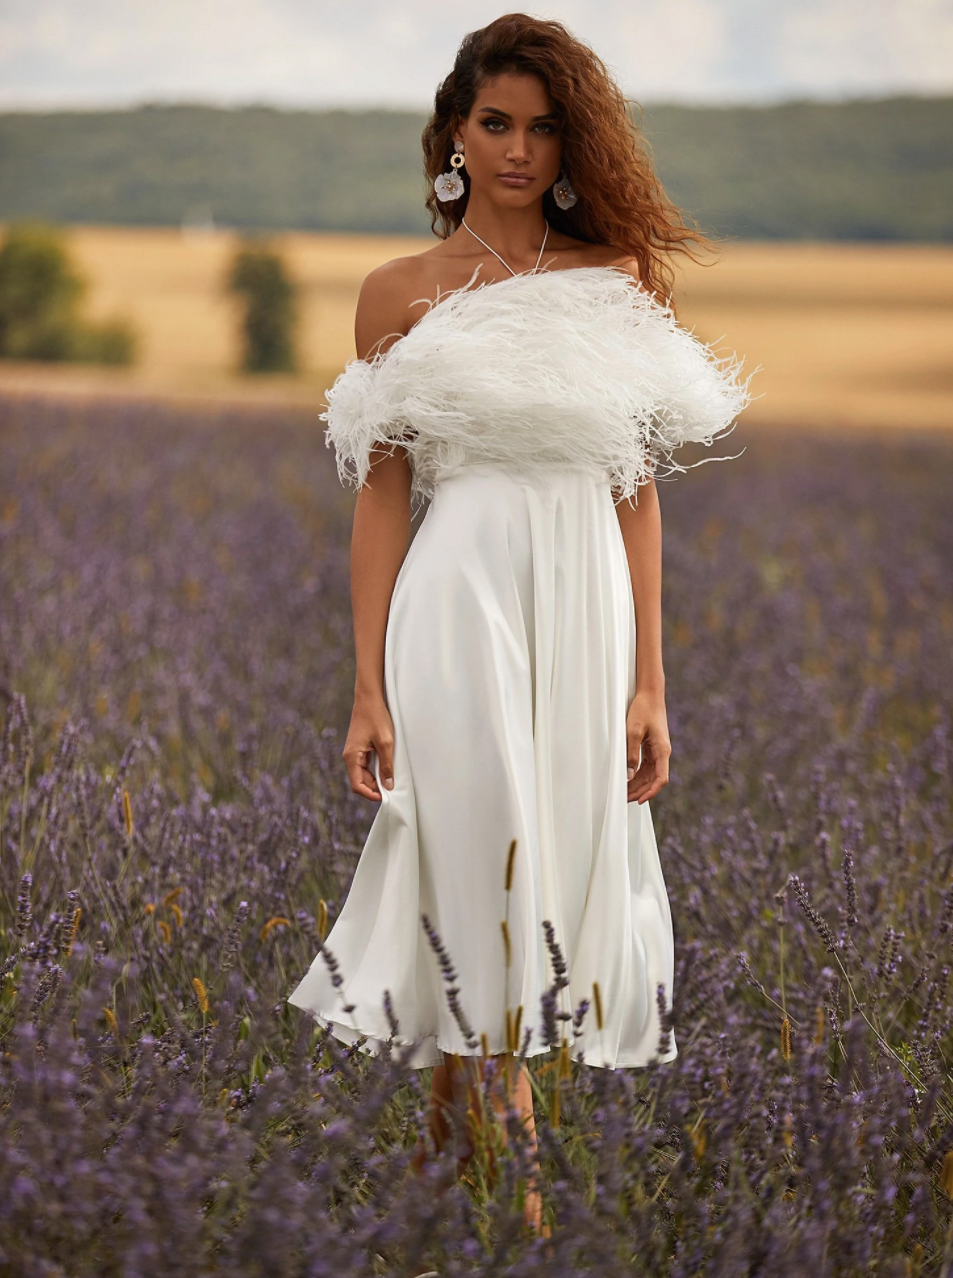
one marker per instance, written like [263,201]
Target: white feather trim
[577,367]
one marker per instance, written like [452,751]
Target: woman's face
[512,140]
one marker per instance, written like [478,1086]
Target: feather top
[579,367]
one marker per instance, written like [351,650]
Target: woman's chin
[509,197]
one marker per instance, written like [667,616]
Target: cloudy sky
[56,53]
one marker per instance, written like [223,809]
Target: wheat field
[844,336]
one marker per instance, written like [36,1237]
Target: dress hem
[433,1055]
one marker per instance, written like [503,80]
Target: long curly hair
[605,156]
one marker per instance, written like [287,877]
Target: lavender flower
[182,581]
[820,924]
[452,991]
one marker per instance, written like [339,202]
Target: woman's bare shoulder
[618,259]
[384,305]
[622,262]
[394,296]
[567,252]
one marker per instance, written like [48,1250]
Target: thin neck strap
[492,250]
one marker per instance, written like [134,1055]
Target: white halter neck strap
[492,250]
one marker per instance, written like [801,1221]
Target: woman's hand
[371,729]
[646,726]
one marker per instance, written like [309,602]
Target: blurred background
[144,148]
[190,194]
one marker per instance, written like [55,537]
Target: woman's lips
[516,179]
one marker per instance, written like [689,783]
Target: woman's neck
[514,233]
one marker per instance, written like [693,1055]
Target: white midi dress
[527,408]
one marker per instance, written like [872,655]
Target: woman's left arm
[646,721]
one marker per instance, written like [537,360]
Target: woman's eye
[497,126]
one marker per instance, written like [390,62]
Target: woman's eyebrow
[551,115]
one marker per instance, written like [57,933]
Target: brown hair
[621,201]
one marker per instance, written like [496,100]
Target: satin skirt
[509,668]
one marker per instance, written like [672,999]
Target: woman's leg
[441,1100]
[457,1086]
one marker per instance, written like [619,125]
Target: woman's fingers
[359,774]
[647,747]
[359,770]
[385,753]
[371,732]
[635,755]
[647,779]
[645,786]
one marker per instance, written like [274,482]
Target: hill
[862,170]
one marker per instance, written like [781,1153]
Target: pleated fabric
[509,669]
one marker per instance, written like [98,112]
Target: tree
[40,292]
[259,277]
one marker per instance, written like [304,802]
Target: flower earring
[449,186]
[563,193]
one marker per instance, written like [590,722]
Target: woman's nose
[519,147]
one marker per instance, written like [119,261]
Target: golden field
[846,336]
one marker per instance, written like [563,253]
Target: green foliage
[252,168]
[861,170]
[111,342]
[259,277]
[40,293]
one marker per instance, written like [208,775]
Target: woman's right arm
[379,541]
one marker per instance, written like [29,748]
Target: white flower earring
[563,193]
[449,186]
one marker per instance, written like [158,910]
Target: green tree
[259,277]
[40,293]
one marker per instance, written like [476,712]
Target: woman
[522,375]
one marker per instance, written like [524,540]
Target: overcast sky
[56,53]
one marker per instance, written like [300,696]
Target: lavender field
[177,835]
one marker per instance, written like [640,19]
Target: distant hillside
[872,170]
[867,170]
